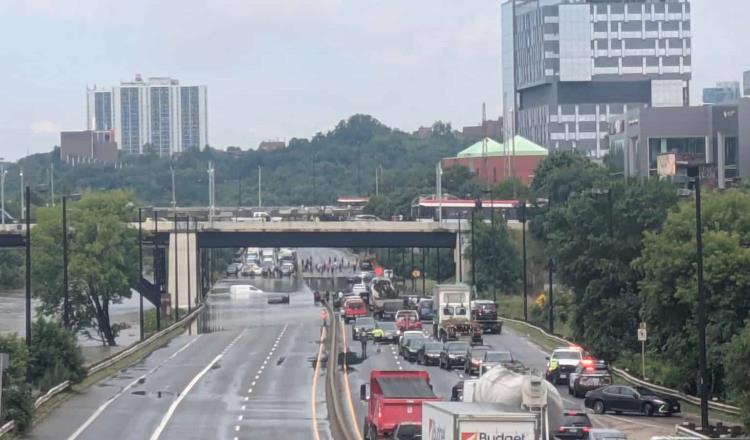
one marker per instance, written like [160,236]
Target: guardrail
[337,417]
[104,363]
[715,405]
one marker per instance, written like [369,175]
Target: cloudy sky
[284,68]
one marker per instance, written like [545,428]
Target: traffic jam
[440,367]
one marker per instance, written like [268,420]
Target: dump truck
[381,291]
[452,318]
[394,398]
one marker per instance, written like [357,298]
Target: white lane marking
[109,401]
[257,377]
[648,425]
[173,407]
[244,407]
[246,398]
[252,384]
[239,417]
[236,427]
[170,411]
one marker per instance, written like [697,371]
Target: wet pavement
[243,371]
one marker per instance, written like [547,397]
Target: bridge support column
[463,264]
[178,279]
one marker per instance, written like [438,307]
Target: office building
[718,135]
[88,146]
[746,83]
[577,63]
[153,115]
[725,93]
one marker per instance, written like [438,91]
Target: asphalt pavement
[244,370]
[386,357]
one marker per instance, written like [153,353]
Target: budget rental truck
[476,421]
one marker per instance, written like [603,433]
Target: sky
[277,69]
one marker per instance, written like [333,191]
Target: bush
[738,379]
[18,405]
[54,356]
[17,402]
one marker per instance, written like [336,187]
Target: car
[606,434]
[622,398]
[493,358]
[390,309]
[354,307]
[483,309]
[575,425]
[390,332]
[429,353]
[473,364]
[287,268]
[282,298]
[233,269]
[408,431]
[363,323]
[457,392]
[424,310]
[412,347]
[365,218]
[405,336]
[454,354]
[408,320]
[589,375]
[562,362]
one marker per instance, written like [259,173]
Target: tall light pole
[28,268]
[2,189]
[211,193]
[174,193]
[140,266]
[260,187]
[66,287]
[525,281]
[23,205]
[694,172]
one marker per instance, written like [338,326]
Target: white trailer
[477,421]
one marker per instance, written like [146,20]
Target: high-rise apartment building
[746,83]
[574,64]
[724,93]
[156,114]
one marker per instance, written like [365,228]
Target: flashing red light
[585,429]
[576,347]
[587,361]
[562,429]
[590,368]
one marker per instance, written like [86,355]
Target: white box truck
[476,421]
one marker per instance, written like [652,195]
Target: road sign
[416,273]
[642,335]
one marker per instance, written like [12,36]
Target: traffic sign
[416,273]
[642,333]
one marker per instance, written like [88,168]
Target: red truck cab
[395,398]
[408,320]
[354,308]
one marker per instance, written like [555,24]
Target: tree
[11,269]
[596,266]
[461,182]
[738,379]
[379,206]
[497,261]
[511,189]
[17,404]
[668,290]
[54,355]
[103,260]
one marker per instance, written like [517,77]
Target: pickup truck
[354,308]
[408,320]
[394,398]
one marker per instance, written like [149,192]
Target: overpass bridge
[181,263]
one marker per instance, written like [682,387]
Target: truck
[452,319]
[476,421]
[484,315]
[394,398]
[381,290]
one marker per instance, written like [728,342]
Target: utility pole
[694,172]
[66,286]
[176,277]
[2,189]
[140,266]
[52,185]
[174,193]
[211,193]
[377,190]
[189,280]
[314,179]
[28,268]
[260,182]
[460,251]
[525,280]
[23,205]
[359,169]
[551,299]
[515,100]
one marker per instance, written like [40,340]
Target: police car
[562,362]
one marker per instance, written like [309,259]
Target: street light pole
[23,205]
[140,265]
[2,190]
[176,277]
[260,182]
[551,299]
[66,287]
[189,280]
[525,280]
[174,193]
[460,252]
[28,268]
[703,386]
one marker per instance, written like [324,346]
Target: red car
[408,320]
[354,308]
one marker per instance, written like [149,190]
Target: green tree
[17,404]
[103,260]
[596,266]
[738,379]
[511,189]
[379,206]
[461,182]
[668,290]
[11,269]
[497,261]
[54,356]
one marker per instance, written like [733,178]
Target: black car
[621,398]
[575,425]
[457,392]
[429,354]
[588,376]
[389,310]
[363,323]
[454,354]
[473,362]
[282,298]
[407,431]
[411,349]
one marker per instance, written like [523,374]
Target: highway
[243,371]
[386,357]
